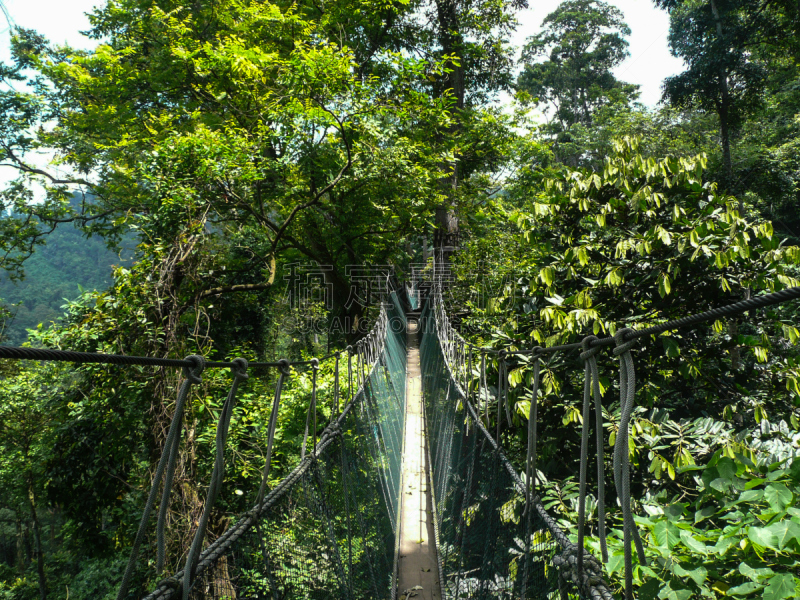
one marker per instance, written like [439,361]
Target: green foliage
[583,41]
[59,270]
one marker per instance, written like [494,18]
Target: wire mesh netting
[327,530]
[489,547]
[478,510]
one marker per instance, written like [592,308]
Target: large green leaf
[698,574]
[763,536]
[785,532]
[780,586]
[776,536]
[687,537]
[778,496]
[745,589]
[666,533]
[675,591]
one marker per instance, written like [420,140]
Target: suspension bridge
[406,492]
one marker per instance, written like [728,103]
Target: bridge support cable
[495,537]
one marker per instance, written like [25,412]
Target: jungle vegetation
[232,141]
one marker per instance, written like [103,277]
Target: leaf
[780,586]
[785,532]
[764,537]
[704,513]
[671,592]
[666,533]
[664,285]
[755,574]
[687,537]
[649,590]
[745,589]
[778,496]
[671,347]
[698,574]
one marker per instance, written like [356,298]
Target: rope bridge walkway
[339,524]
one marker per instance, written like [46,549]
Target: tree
[721,76]
[583,41]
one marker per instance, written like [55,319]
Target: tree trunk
[21,563]
[450,38]
[37,538]
[723,110]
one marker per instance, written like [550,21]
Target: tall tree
[582,40]
[719,40]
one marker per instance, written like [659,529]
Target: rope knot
[623,345]
[239,368]
[284,366]
[588,350]
[170,582]
[502,354]
[537,351]
[315,363]
[349,350]
[193,373]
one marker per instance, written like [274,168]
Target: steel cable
[217,475]
[627,390]
[192,376]
[591,374]
[285,371]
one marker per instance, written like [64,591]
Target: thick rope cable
[48,354]
[730,310]
[592,378]
[217,475]
[336,387]
[484,387]
[531,477]
[312,410]
[285,371]
[504,386]
[627,391]
[192,376]
[587,356]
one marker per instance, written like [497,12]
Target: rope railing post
[484,386]
[627,391]
[592,379]
[284,372]
[312,410]
[530,469]
[500,376]
[192,376]
[336,387]
[469,377]
[217,475]
[350,372]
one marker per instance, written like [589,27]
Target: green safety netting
[328,529]
[488,546]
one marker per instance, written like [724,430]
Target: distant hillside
[53,274]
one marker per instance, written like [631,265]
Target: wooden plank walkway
[417,574]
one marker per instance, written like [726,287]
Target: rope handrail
[48,354]
[730,310]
